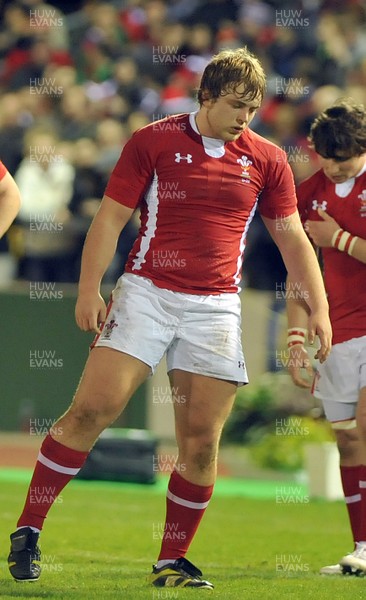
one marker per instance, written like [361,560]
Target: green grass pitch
[100,540]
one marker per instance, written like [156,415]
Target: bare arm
[303,268]
[9,202]
[359,250]
[298,317]
[99,249]
[321,232]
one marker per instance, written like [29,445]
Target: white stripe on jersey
[239,262]
[152,202]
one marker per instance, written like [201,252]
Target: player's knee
[205,456]
[201,451]
[347,442]
[101,412]
[199,432]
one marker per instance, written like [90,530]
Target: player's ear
[206,97]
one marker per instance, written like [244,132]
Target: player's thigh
[109,379]
[348,442]
[201,404]
[361,410]
[141,320]
[337,379]
[209,341]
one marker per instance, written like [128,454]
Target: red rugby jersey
[198,196]
[3,170]
[344,276]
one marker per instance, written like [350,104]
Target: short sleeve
[133,172]
[302,200]
[278,197]
[307,192]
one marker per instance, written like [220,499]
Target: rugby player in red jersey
[9,199]
[178,296]
[332,203]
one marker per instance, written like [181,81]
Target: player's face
[339,170]
[226,117]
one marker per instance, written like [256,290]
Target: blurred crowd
[78,78]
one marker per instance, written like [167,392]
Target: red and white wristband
[344,241]
[296,335]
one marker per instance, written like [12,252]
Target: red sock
[185,505]
[362,483]
[55,467]
[352,494]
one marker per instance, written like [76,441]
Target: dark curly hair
[339,132]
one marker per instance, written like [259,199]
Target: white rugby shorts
[198,333]
[339,379]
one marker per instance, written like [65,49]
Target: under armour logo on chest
[179,157]
[322,205]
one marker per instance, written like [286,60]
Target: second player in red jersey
[332,204]
[346,203]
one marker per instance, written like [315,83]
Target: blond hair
[227,71]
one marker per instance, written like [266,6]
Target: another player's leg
[351,457]
[337,386]
[202,405]
[357,559]
[109,379]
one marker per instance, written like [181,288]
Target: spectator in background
[88,187]
[30,40]
[76,114]
[136,120]
[45,180]
[15,40]
[13,119]
[89,183]
[255,20]
[33,71]
[49,23]
[213,13]
[110,138]
[126,78]
[105,30]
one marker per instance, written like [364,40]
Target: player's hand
[298,360]
[90,311]
[321,232]
[319,325]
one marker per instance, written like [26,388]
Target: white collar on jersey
[343,189]
[213,147]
